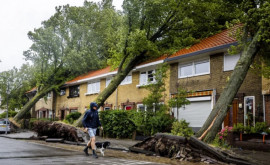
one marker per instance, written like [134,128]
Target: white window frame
[49,95]
[225,63]
[193,64]
[93,87]
[138,105]
[245,109]
[146,81]
[127,80]
[108,81]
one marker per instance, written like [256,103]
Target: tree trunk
[32,102]
[218,114]
[120,76]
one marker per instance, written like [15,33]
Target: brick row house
[203,70]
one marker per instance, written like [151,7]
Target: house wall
[128,94]
[217,80]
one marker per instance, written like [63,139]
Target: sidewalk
[118,144]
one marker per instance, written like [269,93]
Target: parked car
[3,124]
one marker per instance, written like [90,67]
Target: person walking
[91,123]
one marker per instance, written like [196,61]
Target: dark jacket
[91,118]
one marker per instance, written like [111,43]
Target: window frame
[126,80]
[226,63]
[95,85]
[146,72]
[108,81]
[70,89]
[193,67]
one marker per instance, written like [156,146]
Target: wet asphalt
[20,152]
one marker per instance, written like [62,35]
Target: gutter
[200,52]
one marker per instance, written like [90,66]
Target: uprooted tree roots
[184,149]
[56,130]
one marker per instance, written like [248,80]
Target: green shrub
[181,129]
[70,118]
[261,127]
[10,114]
[149,123]
[239,127]
[117,124]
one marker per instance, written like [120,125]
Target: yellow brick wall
[124,93]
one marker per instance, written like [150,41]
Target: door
[195,113]
[231,117]
[62,114]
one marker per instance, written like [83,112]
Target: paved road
[18,152]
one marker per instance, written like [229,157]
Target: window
[195,68]
[107,108]
[108,80]
[73,110]
[249,110]
[74,91]
[147,77]
[50,114]
[230,61]
[49,95]
[202,67]
[93,87]
[141,107]
[62,92]
[128,107]
[186,70]
[127,80]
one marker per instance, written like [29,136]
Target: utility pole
[7,107]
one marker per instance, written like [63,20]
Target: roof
[91,74]
[218,41]
[32,90]
[108,71]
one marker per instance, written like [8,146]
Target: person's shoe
[85,150]
[94,154]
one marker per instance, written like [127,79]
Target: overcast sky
[18,17]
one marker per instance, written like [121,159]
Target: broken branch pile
[184,149]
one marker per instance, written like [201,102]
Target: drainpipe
[116,98]
[263,108]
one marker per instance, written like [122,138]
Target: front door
[231,117]
[62,114]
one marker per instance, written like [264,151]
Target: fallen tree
[193,149]
[57,130]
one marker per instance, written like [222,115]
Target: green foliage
[239,127]
[180,99]
[181,128]
[70,118]
[13,85]
[149,123]
[157,89]
[259,128]
[221,138]
[117,124]
[10,114]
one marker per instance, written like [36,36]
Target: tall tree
[152,28]
[73,41]
[253,38]
[13,85]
